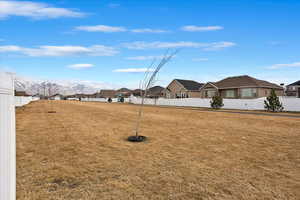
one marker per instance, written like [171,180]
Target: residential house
[293,89]
[72,97]
[123,92]
[56,97]
[138,92]
[179,88]
[107,94]
[240,87]
[156,92]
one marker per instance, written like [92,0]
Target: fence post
[7,138]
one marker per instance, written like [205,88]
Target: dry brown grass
[81,152]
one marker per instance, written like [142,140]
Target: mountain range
[62,87]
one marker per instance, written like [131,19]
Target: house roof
[190,84]
[107,93]
[57,94]
[156,90]
[123,90]
[137,90]
[296,83]
[244,81]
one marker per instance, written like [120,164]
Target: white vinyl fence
[8,102]
[289,103]
[126,100]
[22,101]
[7,138]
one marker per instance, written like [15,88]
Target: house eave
[222,88]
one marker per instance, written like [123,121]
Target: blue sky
[106,41]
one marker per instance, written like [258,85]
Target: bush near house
[216,102]
[272,103]
[121,99]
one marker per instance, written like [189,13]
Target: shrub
[121,99]
[216,102]
[272,103]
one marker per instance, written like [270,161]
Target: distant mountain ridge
[62,87]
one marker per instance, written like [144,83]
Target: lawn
[81,152]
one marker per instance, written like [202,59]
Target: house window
[210,93]
[229,94]
[248,92]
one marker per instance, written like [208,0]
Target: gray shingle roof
[244,81]
[156,90]
[296,83]
[190,84]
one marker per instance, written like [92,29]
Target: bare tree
[145,84]
[48,90]
[18,84]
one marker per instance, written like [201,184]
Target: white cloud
[95,50]
[81,66]
[101,28]
[192,28]
[157,45]
[133,70]
[10,48]
[111,29]
[215,46]
[148,30]
[34,10]
[200,59]
[144,57]
[278,66]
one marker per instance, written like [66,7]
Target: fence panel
[22,101]
[114,100]
[7,138]
[289,103]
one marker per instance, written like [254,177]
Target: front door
[298,92]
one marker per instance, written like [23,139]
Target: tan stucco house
[107,94]
[293,89]
[240,87]
[179,88]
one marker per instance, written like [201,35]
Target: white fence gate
[7,138]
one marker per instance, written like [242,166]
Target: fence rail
[289,103]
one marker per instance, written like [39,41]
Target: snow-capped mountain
[61,87]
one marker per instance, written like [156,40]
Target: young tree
[272,103]
[216,102]
[148,81]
